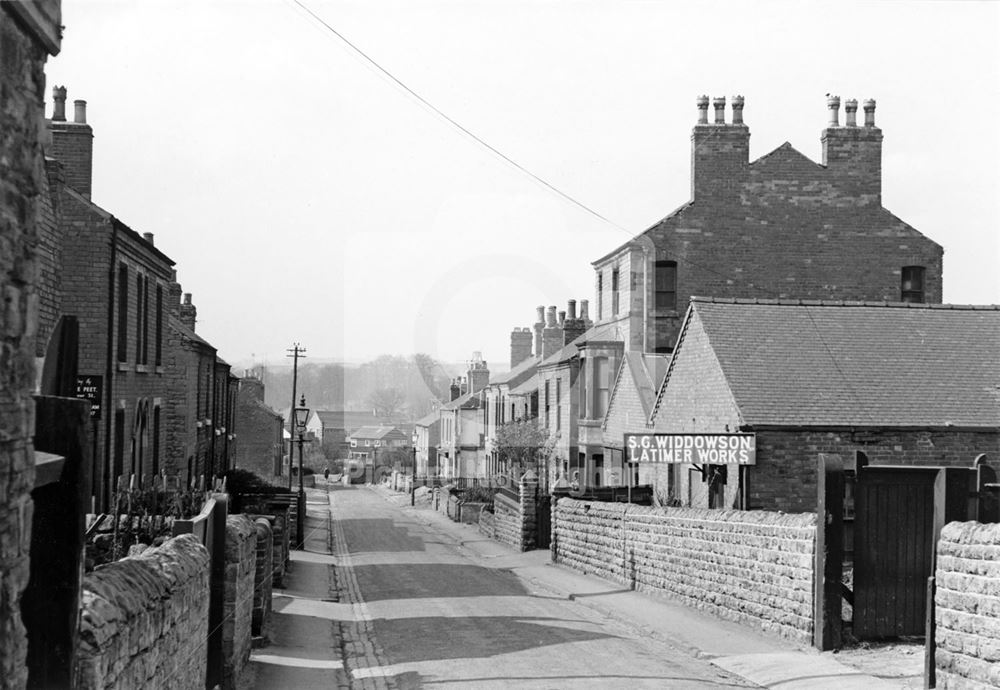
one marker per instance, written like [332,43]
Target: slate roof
[346,419]
[429,419]
[647,371]
[517,374]
[812,363]
[178,326]
[469,401]
[530,385]
[375,432]
[601,333]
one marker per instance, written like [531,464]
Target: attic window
[912,284]
[614,292]
[665,273]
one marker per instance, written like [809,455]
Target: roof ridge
[788,302]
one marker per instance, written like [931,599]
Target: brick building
[258,438]
[781,226]
[375,447]
[29,32]
[500,406]
[334,427]
[904,383]
[427,437]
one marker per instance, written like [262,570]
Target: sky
[307,197]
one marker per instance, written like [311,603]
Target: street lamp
[301,416]
[413,476]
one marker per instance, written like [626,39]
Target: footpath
[761,659]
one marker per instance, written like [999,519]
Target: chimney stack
[852,154]
[720,152]
[174,294]
[539,325]
[520,346]
[454,391]
[479,374]
[573,327]
[72,142]
[148,236]
[552,334]
[188,312]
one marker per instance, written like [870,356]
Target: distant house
[904,383]
[372,448]
[427,433]
[259,438]
[333,427]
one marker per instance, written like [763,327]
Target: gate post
[829,555]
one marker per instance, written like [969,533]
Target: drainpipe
[109,368]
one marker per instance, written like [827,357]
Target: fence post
[829,561]
[216,536]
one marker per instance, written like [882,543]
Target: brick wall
[784,477]
[241,555]
[22,83]
[754,567]
[49,254]
[145,620]
[258,435]
[967,606]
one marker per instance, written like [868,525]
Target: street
[384,597]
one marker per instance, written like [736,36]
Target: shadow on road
[432,580]
[369,535]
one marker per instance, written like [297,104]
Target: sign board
[91,388]
[708,449]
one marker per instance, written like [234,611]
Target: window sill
[159,369]
[124,366]
[142,368]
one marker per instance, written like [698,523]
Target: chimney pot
[851,112]
[833,106]
[870,112]
[719,103]
[148,236]
[550,319]
[80,112]
[187,298]
[562,317]
[571,309]
[702,110]
[59,104]
[737,110]
[585,309]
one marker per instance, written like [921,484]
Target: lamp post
[413,477]
[301,416]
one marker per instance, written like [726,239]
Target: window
[145,320]
[547,407]
[156,440]
[614,292]
[354,443]
[912,284]
[665,280]
[122,313]
[558,398]
[139,309]
[158,352]
[602,386]
[582,385]
[600,295]
[367,442]
[119,457]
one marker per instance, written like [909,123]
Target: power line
[457,124]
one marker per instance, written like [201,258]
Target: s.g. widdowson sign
[710,449]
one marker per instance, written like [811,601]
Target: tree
[523,446]
[387,402]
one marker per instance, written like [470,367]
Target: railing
[640,495]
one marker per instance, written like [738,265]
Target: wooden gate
[893,549]
[543,520]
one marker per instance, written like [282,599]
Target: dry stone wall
[145,620]
[263,577]
[967,606]
[241,556]
[507,521]
[752,567]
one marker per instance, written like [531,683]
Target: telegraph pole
[296,352]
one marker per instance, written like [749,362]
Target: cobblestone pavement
[417,610]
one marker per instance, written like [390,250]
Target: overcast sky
[306,197]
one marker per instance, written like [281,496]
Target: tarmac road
[418,608]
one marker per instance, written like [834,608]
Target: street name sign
[709,449]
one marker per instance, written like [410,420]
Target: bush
[478,494]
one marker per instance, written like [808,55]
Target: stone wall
[967,606]
[144,620]
[751,567]
[241,556]
[22,83]
[507,521]
[263,577]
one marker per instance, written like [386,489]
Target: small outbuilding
[907,384]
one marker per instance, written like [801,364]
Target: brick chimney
[188,312]
[720,152]
[573,327]
[853,154]
[455,390]
[520,346]
[173,302]
[539,326]
[72,142]
[479,374]
[252,388]
[552,334]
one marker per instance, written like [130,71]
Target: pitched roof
[647,371]
[346,419]
[429,419]
[530,385]
[603,332]
[469,401]
[516,375]
[812,363]
[178,326]
[376,432]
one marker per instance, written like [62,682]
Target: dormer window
[912,284]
